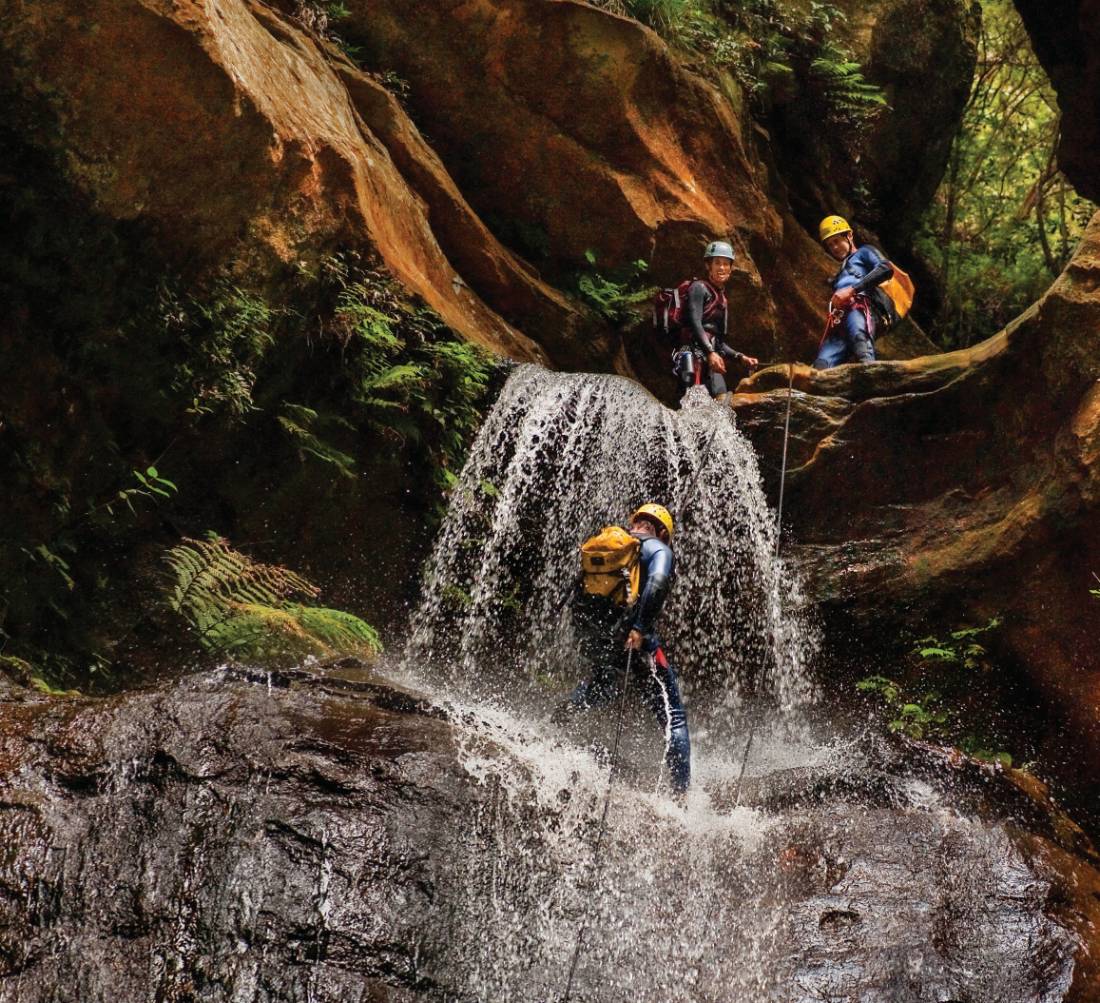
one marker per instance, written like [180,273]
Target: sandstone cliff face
[241,142]
[577,131]
[966,483]
[235,138]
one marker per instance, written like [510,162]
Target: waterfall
[707,900]
[560,456]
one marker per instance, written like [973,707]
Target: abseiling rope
[778,539]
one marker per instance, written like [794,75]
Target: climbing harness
[859,302]
[669,304]
[778,540]
[595,870]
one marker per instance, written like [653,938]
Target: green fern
[298,422]
[841,82]
[340,630]
[243,609]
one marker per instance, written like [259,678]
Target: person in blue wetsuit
[601,626]
[850,335]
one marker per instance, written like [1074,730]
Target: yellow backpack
[609,565]
[899,287]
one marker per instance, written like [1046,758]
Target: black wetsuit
[601,630]
[702,334]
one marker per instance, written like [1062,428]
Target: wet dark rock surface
[295,837]
[218,840]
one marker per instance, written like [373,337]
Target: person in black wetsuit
[702,355]
[850,335]
[605,636]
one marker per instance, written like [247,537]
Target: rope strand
[778,540]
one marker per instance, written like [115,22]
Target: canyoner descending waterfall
[781,899]
[558,457]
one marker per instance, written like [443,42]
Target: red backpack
[669,306]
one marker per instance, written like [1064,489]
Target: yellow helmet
[658,512]
[830,226]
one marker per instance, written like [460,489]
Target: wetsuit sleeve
[879,270]
[696,303]
[658,568]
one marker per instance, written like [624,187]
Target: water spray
[603,826]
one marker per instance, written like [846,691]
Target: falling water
[784,894]
[559,457]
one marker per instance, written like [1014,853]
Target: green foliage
[959,648]
[338,630]
[979,747]
[667,15]
[457,597]
[1004,221]
[43,686]
[772,47]
[223,335]
[841,85]
[413,381]
[243,609]
[614,297]
[150,485]
[304,425]
[138,401]
[916,716]
[931,701]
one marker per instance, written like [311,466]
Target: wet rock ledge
[236,836]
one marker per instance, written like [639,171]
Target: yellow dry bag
[899,287]
[609,565]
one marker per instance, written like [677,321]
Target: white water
[705,901]
[558,457]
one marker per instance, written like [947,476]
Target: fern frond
[309,442]
[338,629]
[399,377]
[843,85]
[241,608]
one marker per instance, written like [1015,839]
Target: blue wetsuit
[602,629]
[854,336]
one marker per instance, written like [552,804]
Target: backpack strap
[717,301]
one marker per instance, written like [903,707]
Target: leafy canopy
[1005,221]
